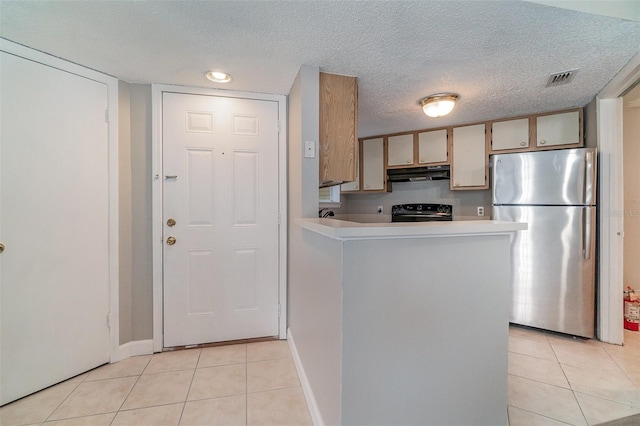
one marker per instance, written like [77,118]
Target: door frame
[156,154]
[113,318]
[610,137]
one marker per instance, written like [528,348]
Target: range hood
[417,174]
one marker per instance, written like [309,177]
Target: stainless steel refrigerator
[553,266]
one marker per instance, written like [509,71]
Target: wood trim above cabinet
[338,127]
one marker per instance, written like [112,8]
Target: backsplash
[465,203]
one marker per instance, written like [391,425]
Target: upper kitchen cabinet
[469,165]
[433,147]
[400,150]
[355,185]
[510,134]
[338,128]
[373,170]
[417,149]
[562,130]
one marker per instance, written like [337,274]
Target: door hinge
[109,320]
[278,125]
[106,115]
[278,310]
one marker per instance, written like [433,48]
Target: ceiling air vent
[559,78]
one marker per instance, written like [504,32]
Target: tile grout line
[186,397]
[542,415]
[130,390]
[573,392]
[67,397]
[621,367]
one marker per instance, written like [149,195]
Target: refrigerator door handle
[588,178]
[586,233]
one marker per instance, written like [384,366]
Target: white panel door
[220,161]
[54,224]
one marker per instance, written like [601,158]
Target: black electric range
[421,212]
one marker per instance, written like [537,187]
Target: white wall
[124,190]
[314,329]
[631,160]
[464,203]
[136,284]
[425,331]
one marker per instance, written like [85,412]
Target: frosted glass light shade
[438,105]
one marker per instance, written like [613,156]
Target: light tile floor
[553,380]
[558,380]
[243,384]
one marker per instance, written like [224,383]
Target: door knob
[1,247]
[171,241]
[171,222]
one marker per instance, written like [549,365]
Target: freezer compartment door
[560,177]
[553,268]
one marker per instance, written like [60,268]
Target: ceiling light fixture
[438,105]
[218,76]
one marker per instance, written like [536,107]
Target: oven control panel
[421,212]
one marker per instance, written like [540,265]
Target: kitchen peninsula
[403,323]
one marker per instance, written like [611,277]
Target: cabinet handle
[409,161]
[542,142]
[422,160]
[523,143]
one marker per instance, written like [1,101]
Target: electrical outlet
[380,210]
[480,211]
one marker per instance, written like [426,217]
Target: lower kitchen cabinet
[469,165]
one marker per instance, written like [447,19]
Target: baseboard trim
[135,348]
[314,411]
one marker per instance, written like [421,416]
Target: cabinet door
[373,175]
[511,134]
[400,150]
[432,147]
[338,127]
[355,185]
[558,129]
[469,167]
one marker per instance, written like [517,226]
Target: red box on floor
[633,326]
[631,310]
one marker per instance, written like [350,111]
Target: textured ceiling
[496,54]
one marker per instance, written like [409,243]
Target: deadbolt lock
[171,222]
[171,241]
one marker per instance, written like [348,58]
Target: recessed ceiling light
[218,76]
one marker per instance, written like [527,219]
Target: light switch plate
[309,149]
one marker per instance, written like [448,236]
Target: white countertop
[345,230]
